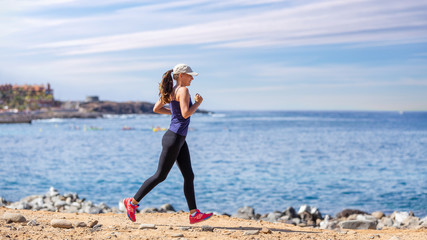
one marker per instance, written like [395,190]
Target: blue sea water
[268,160]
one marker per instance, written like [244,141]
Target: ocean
[371,161]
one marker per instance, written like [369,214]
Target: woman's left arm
[184,101]
[160,108]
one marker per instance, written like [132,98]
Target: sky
[250,54]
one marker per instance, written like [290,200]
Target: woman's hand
[198,98]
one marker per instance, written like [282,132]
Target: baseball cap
[184,68]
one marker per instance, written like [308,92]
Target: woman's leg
[184,164]
[172,144]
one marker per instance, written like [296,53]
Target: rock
[347,212]
[394,238]
[265,230]
[207,229]
[150,210]
[411,222]
[400,216]
[304,208]
[177,235]
[184,228]
[37,203]
[378,214]
[296,221]
[315,213]
[19,205]
[81,224]
[61,223]
[251,232]
[356,224]
[60,203]
[93,210]
[167,207]
[365,218]
[147,226]
[92,223]
[245,213]
[272,217]
[32,223]
[290,212]
[384,222]
[327,223]
[52,192]
[284,219]
[14,217]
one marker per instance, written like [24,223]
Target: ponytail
[166,87]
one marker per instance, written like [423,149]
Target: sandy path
[172,226]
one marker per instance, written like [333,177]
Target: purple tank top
[179,124]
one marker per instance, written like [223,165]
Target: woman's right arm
[159,107]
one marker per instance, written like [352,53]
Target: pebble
[251,232]
[32,223]
[147,226]
[92,223]
[14,217]
[265,230]
[81,224]
[177,235]
[394,238]
[61,223]
[207,228]
[184,228]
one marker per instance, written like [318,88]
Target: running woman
[174,145]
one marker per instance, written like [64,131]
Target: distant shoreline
[84,110]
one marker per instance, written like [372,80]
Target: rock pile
[306,216]
[55,202]
[355,219]
[347,219]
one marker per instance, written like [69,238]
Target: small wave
[218,115]
[51,120]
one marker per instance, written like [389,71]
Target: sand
[176,226]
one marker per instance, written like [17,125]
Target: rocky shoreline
[82,110]
[306,216]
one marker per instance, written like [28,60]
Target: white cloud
[330,22]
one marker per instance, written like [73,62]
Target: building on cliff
[26,97]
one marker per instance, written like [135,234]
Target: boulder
[272,217]
[385,222]
[400,216]
[14,217]
[347,212]
[411,222]
[150,210]
[245,213]
[61,223]
[365,218]
[166,208]
[357,224]
[19,205]
[290,211]
[304,208]
[378,214]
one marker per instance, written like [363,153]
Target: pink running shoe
[199,217]
[130,209]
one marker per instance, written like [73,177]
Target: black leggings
[174,149]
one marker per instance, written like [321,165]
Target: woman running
[174,145]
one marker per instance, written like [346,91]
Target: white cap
[183,68]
